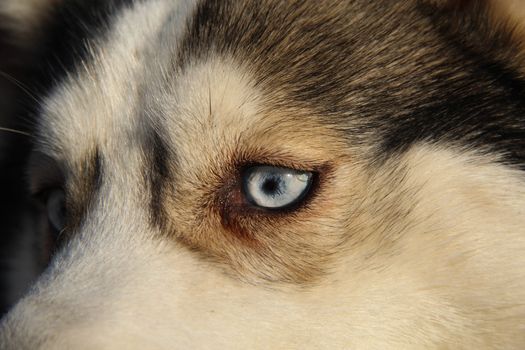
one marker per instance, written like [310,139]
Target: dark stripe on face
[83,189]
[80,186]
[380,68]
[475,98]
[158,176]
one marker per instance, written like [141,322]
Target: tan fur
[505,16]
[513,13]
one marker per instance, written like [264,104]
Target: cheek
[257,246]
[196,302]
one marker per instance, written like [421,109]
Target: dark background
[20,260]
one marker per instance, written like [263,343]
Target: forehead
[145,73]
[102,96]
[367,69]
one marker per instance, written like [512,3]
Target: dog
[267,174]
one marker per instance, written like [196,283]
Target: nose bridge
[93,269]
[113,226]
[118,203]
[114,222]
[82,286]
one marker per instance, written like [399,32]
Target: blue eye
[275,187]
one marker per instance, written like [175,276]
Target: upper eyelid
[44,172]
[244,167]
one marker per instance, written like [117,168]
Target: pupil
[270,186]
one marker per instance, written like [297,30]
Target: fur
[413,236]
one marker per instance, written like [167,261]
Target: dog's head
[276,174]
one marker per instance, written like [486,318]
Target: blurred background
[20,245]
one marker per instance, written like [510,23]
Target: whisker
[14,131]
[61,232]
[20,85]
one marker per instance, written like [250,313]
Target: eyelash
[233,202]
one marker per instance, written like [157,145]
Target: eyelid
[44,173]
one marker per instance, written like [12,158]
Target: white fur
[455,279]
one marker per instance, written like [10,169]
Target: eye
[56,209]
[275,187]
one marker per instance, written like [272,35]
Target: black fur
[82,189]
[389,68]
[71,25]
[158,176]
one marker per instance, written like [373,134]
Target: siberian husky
[265,174]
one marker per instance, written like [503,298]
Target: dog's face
[267,174]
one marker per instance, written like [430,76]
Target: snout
[29,326]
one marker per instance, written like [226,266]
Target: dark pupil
[270,186]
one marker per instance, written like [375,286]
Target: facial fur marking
[476,104]
[158,175]
[82,187]
[79,184]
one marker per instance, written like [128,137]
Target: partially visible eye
[276,187]
[56,209]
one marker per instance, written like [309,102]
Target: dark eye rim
[244,206]
[63,198]
[42,197]
[53,239]
[294,205]
[45,174]
[241,217]
[42,194]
